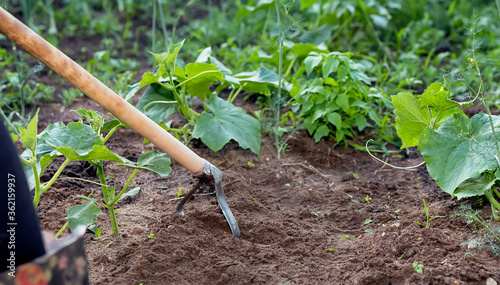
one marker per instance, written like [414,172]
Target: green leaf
[131,90]
[411,119]
[311,62]
[76,135]
[321,132]
[169,59]
[343,101]
[330,65]
[157,103]
[147,79]
[342,72]
[476,186]
[459,150]
[153,161]
[223,122]
[95,120]
[83,214]
[361,123]
[200,77]
[28,135]
[257,81]
[335,119]
[437,96]
[78,141]
[132,192]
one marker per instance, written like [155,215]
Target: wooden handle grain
[31,42]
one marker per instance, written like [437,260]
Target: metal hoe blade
[212,174]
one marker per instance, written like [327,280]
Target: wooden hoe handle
[31,42]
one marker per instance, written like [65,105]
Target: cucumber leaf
[459,150]
[157,103]
[83,214]
[200,77]
[223,122]
[153,161]
[411,119]
[78,141]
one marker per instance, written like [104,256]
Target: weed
[428,218]
[151,235]
[491,238]
[367,199]
[418,268]
[179,193]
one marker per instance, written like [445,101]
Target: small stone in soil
[137,230]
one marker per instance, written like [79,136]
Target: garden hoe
[107,98]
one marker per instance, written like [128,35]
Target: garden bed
[316,216]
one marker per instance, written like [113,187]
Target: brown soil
[303,220]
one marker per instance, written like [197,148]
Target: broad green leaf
[330,65]
[153,161]
[132,192]
[200,77]
[109,125]
[321,132]
[335,119]
[361,123]
[342,72]
[147,79]
[78,141]
[459,150]
[311,62]
[302,50]
[131,90]
[83,214]
[223,122]
[75,135]
[97,152]
[343,101]
[157,103]
[28,135]
[259,79]
[476,186]
[411,120]
[437,96]
[206,57]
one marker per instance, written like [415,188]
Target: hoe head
[211,175]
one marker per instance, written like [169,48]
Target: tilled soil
[318,215]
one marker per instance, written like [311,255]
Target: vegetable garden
[358,140]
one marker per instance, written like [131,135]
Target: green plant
[367,199]
[418,268]
[151,235]
[427,223]
[173,88]
[334,97]
[451,143]
[80,142]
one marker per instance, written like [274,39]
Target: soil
[318,215]
[305,219]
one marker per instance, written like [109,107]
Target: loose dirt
[318,215]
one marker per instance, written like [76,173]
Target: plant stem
[495,206]
[280,74]
[47,185]
[61,230]
[38,188]
[234,93]
[112,203]
[108,197]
